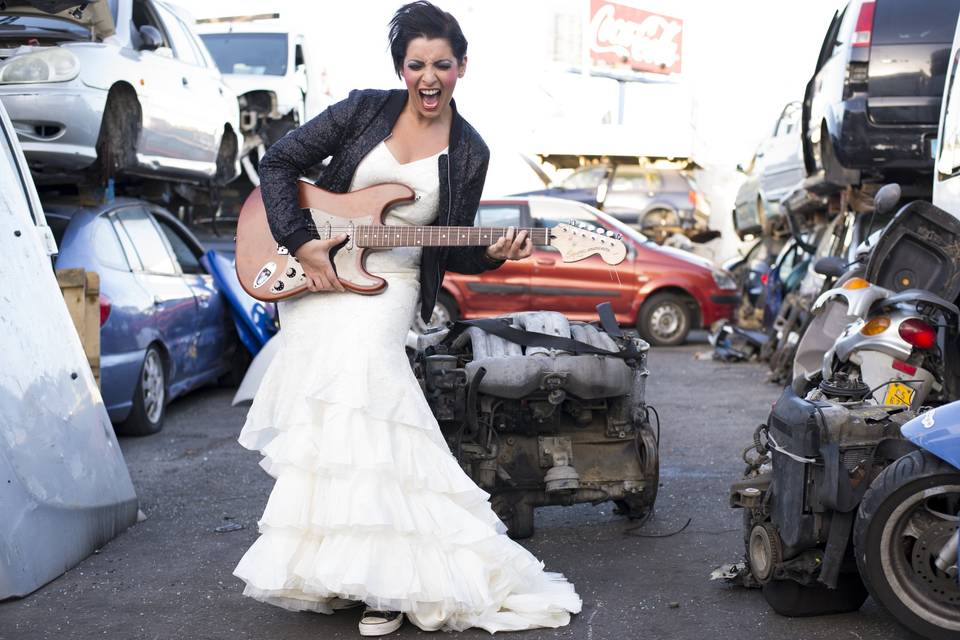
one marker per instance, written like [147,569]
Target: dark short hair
[423,19]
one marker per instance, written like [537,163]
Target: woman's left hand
[513,246]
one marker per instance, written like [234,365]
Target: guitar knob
[278,285]
[291,272]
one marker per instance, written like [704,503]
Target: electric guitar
[268,272]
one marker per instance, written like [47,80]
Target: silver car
[121,87]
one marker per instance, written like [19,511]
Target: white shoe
[379,623]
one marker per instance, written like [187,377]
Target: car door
[576,288]
[212,319]
[164,100]
[201,113]
[783,166]
[174,313]
[502,290]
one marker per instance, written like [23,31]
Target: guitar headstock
[577,241]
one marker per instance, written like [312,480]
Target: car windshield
[259,54]
[585,178]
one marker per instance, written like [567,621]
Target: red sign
[624,37]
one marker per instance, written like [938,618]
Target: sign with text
[623,37]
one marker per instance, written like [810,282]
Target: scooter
[905,536]
[817,456]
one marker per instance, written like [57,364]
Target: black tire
[795,600]
[665,319]
[226,158]
[119,132]
[906,502]
[146,415]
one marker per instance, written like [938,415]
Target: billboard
[623,37]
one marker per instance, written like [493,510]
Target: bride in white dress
[369,504]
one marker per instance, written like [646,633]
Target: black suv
[870,111]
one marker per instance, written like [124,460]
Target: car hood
[95,16]
[682,256]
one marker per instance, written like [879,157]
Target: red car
[663,292]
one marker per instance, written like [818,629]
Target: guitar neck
[429,236]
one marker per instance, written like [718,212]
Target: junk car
[165,328]
[126,88]
[663,292]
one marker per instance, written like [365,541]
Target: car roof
[245,26]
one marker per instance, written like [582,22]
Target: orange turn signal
[856,283]
[875,326]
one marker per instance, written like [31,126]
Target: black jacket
[346,132]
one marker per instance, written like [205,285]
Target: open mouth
[430,98]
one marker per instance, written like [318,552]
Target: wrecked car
[544,425]
[115,88]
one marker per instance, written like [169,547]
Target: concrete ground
[170,576]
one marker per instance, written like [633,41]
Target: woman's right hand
[314,257]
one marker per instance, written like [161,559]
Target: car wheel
[665,319]
[149,398]
[660,223]
[119,131]
[444,311]
[905,520]
[226,157]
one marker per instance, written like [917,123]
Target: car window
[498,215]
[145,238]
[107,247]
[143,16]
[202,54]
[182,47]
[585,178]
[261,54]
[298,58]
[909,23]
[189,261]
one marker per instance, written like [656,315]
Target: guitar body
[268,272]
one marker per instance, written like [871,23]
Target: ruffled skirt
[369,504]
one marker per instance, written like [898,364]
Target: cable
[633,531]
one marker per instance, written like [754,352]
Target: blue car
[166,328]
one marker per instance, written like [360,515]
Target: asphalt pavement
[170,576]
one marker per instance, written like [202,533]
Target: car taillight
[104,309]
[764,277]
[864,29]
[918,333]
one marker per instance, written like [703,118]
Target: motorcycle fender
[858,301]
[937,431]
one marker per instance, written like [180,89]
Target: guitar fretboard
[411,236]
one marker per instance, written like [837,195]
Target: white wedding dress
[369,503]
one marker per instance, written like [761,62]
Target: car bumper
[718,306]
[119,373]
[862,144]
[57,124]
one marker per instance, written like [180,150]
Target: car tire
[899,528]
[226,158]
[445,310]
[516,514]
[119,131]
[665,319]
[149,397]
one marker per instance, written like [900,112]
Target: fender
[937,431]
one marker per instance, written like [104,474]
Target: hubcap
[910,542]
[151,385]
[666,321]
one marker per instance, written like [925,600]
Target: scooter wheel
[906,517]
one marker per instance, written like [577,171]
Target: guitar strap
[502,328]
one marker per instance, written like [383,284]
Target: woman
[369,503]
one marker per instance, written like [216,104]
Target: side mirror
[886,199]
[150,38]
[831,266]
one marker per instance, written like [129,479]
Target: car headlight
[723,279]
[51,65]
